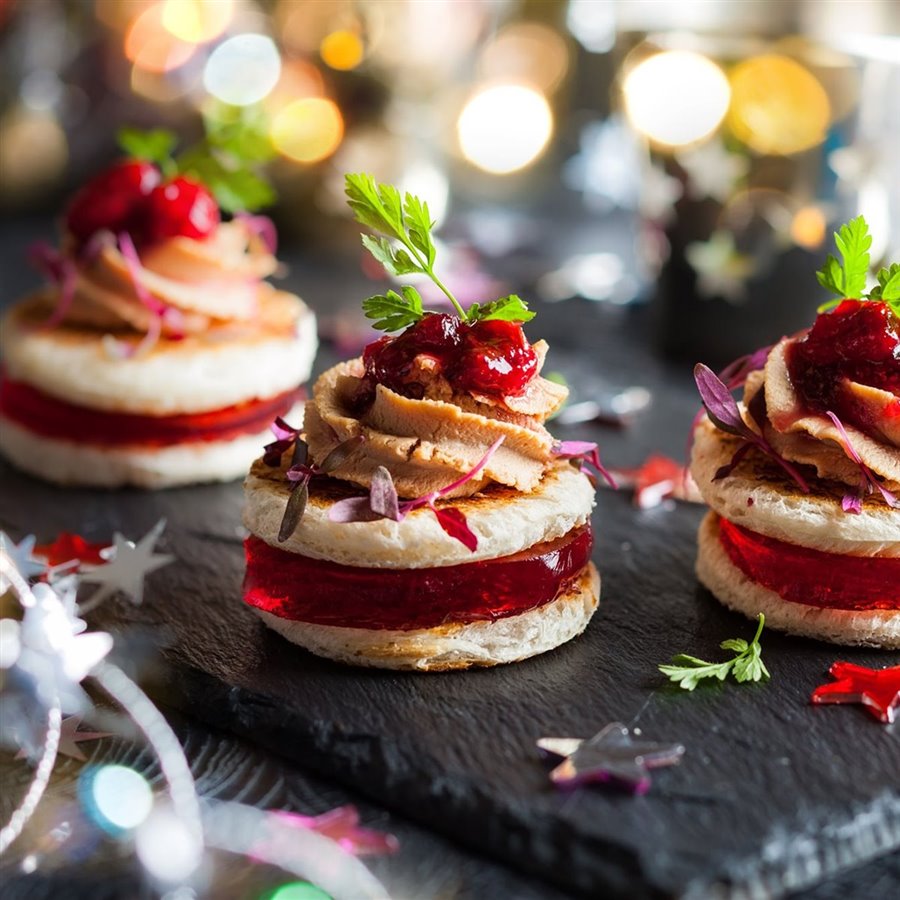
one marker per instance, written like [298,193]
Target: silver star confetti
[129,565]
[70,737]
[721,270]
[611,756]
[712,170]
[20,556]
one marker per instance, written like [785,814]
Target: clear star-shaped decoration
[69,739]
[130,563]
[659,194]
[21,557]
[611,756]
[721,270]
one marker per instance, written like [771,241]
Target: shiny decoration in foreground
[611,756]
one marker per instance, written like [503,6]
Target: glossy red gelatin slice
[326,593]
[54,418]
[811,577]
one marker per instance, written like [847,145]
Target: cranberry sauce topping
[111,200]
[492,357]
[54,418]
[129,197]
[326,593]
[859,341]
[811,577]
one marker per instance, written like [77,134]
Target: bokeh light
[197,21]
[308,130]
[115,798]
[166,848]
[504,128]
[529,52]
[423,179]
[342,50]
[676,98]
[778,106]
[808,227]
[243,70]
[298,890]
[35,150]
[150,45]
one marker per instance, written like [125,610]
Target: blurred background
[689,159]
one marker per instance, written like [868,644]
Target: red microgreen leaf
[852,503]
[869,481]
[261,227]
[584,452]
[721,407]
[473,471]
[454,523]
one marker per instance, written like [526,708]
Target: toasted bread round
[504,520]
[760,496]
[223,366]
[454,646]
[88,465]
[867,628]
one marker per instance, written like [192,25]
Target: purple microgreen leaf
[726,470]
[383,495]
[852,503]
[473,471]
[300,472]
[293,511]
[341,454]
[261,227]
[734,375]
[721,407]
[454,523]
[273,452]
[869,481]
[282,430]
[61,272]
[352,509]
[584,452]
[301,452]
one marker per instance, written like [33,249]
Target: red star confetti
[876,689]
[69,547]
[659,478]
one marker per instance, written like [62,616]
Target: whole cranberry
[179,208]
[111,200]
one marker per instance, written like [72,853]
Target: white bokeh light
[243,70]
[676,98]
[166,847]
[504,128]
[121,797]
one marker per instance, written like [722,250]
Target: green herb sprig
[848,279]
[746,665]
[404,246]
[226,160]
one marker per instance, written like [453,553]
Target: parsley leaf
[394,312]
[888,287]
[154,146]
[853,242]
[509,309]
[379,207]
[746,665]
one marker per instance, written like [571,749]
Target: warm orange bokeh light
[808,227]
[342,50]
[149,45]
[308,130]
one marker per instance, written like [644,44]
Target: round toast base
[878,628]
[453,646]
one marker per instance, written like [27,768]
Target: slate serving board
[773,794]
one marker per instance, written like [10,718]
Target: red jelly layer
[326,593]
[811,577]
[53,418]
